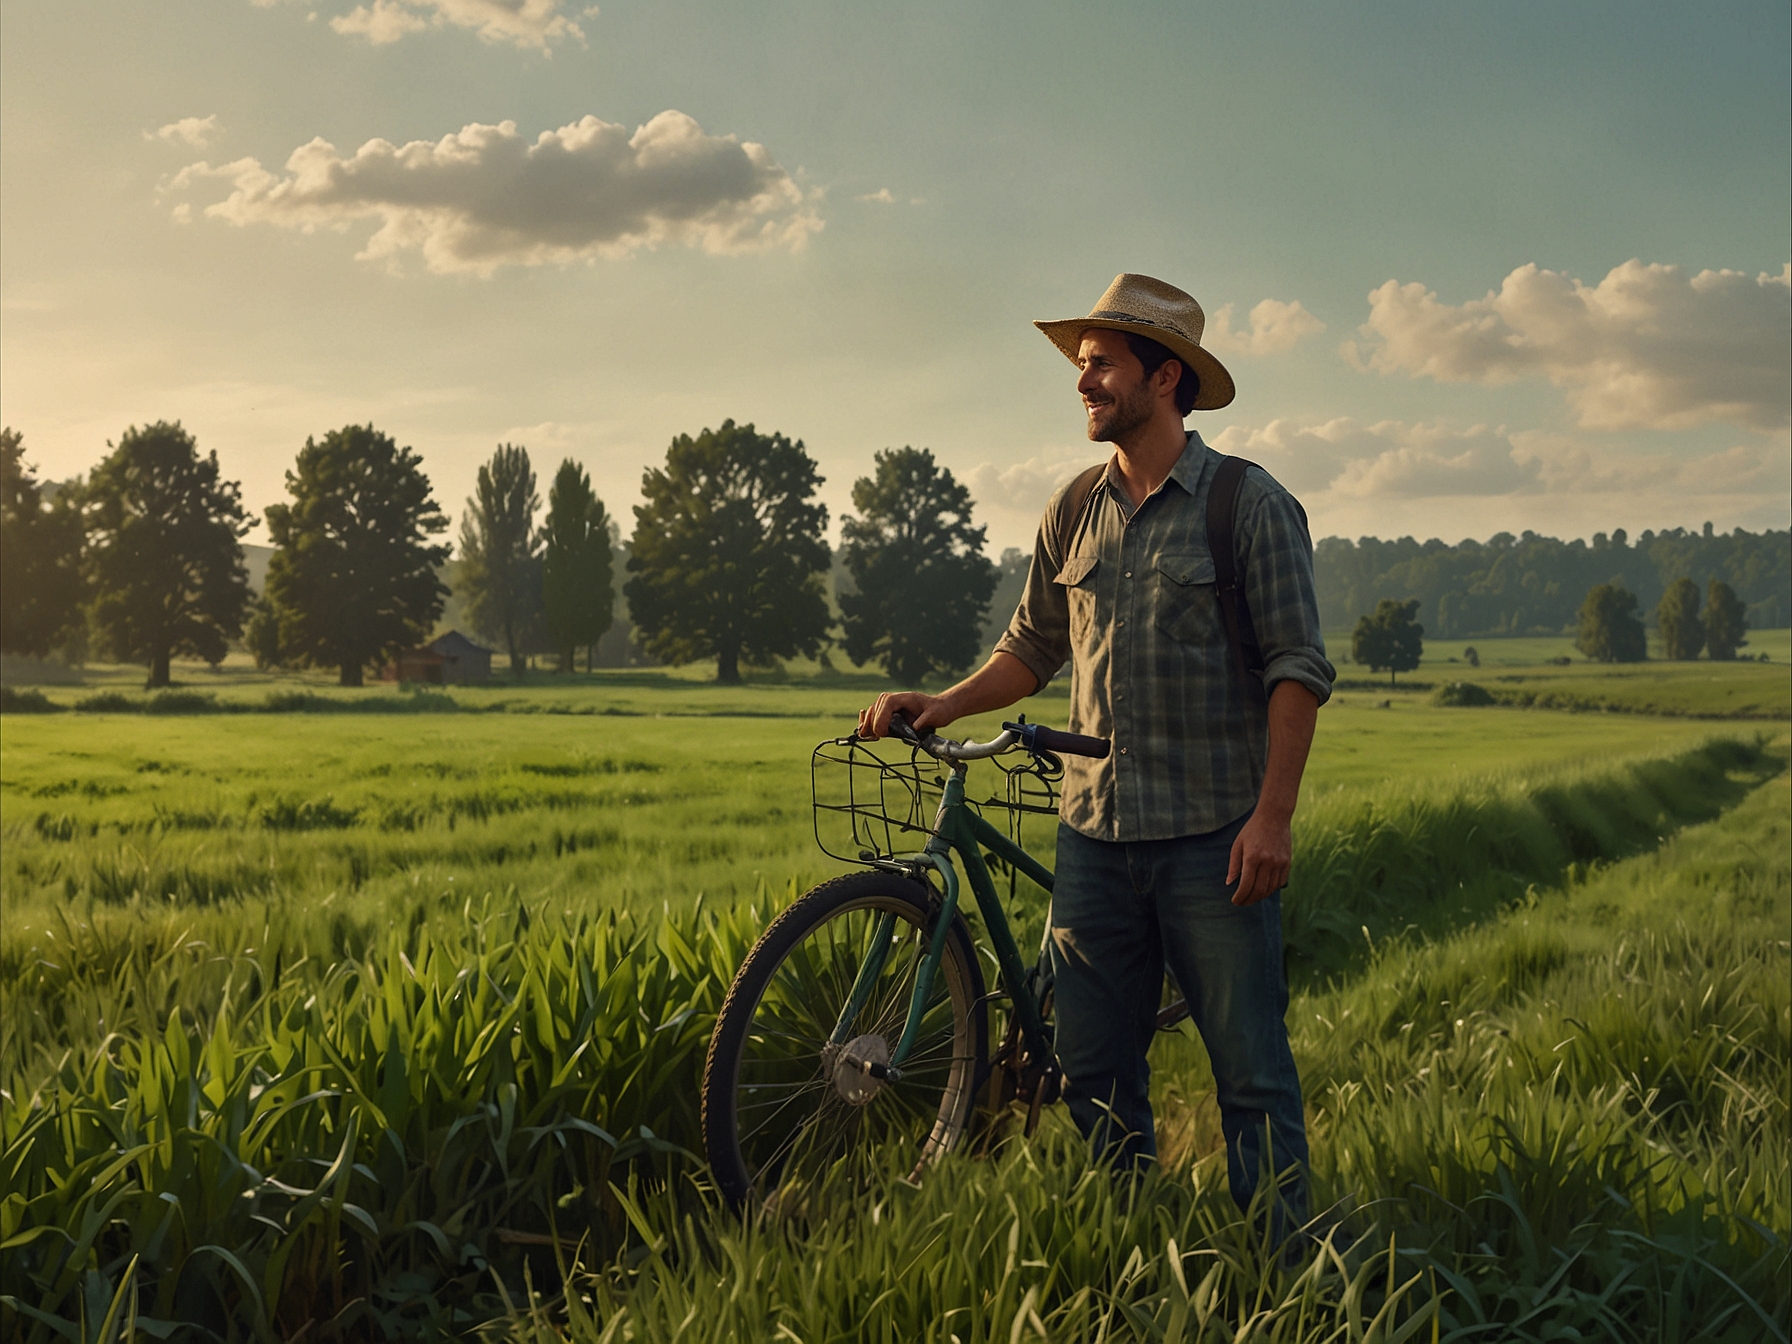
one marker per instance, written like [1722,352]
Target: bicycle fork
[955,829]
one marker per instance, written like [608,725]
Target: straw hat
[1148,307]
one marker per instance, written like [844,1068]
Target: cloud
[1275,327]
[1391,478]
[195,132]
[486,197]
[1388,459]
[1009,499]
[881,196]
[532,24]
[1568,467]
[1400,460]
[1648,347]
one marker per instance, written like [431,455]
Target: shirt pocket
[1078,579]
[1187,598]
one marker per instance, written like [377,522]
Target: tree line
[728,560]
[1534,584]
[1608,628]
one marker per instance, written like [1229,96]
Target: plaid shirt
[1134,605]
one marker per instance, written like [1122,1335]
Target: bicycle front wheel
[787,1097]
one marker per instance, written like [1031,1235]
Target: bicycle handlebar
[1034,737]
[1037,737]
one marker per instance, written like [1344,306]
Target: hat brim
[1217,388]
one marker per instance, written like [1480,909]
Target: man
[1175,847]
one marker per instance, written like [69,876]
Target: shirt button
[1118,623]
[1129,573]
[1123,751]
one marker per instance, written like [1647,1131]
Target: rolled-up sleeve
[1039,634]
[1279,589]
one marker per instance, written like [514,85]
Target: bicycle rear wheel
[783,1105]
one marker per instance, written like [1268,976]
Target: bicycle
[858,1024]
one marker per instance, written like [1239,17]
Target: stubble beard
[1127,412]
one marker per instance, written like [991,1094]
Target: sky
[1474,266]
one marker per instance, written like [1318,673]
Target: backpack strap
[1073,506]
[1222,541]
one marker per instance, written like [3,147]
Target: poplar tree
[577,583]
[1726,621]
[1677,617]
[1608,629]
[500,567]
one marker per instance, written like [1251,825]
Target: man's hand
[923,712]
[1263,852]
[996,685]
[1260,858]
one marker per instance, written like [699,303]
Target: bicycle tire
[771,1042]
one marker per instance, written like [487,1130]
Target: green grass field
[121,814]
[1565,1124]
[331,980]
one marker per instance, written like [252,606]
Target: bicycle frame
[957,830]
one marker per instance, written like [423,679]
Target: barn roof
[456,645]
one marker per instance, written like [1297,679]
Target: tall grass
[379,1143]
[1568,1123]
[392,1121]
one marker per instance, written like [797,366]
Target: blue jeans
[1119,912]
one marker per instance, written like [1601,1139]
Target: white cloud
[1385,459]
[1009,499]
[486,197]
[881,196]
[1648,347]
[195,132]
[533,24]
[1393,478]
[1275,327]
[555,437]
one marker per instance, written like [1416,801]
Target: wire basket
[878,800]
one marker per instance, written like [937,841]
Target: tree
[1609,630]
[354,577]
[1389,639]
[500,554]
[1726,621]
[40,558]
[1677,617]
[164,559]
[261,634]
[918,565]
[577,581]
[728,554]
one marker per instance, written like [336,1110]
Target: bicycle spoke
[795,1120]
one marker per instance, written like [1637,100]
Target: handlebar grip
[1071,744]
[901,728]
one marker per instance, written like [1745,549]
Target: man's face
[1116,394]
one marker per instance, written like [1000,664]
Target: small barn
[425,665]
[465,661]
[451,660]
